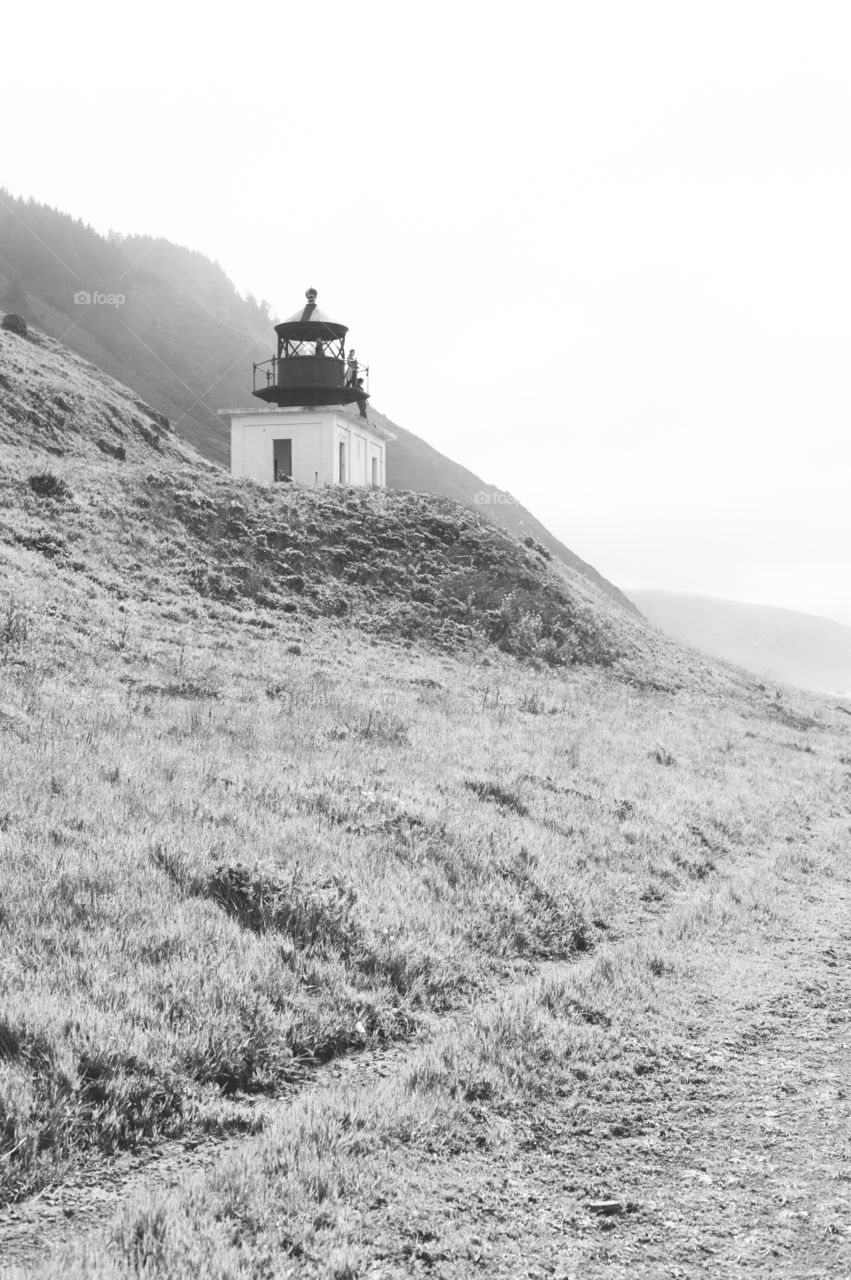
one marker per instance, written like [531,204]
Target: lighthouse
[313,427]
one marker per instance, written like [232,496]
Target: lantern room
[312,366]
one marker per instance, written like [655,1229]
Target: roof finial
[311,295]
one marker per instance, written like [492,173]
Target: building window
[375,472]
[342,463]
[283,459]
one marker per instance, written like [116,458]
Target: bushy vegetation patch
[324,922]
[403,564]
[44,541]
[318,919]
[45,484]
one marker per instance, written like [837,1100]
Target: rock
[606,1207]
[114,450]
[15,324]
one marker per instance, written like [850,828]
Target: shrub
[44,542]
[45,484]
[14,323]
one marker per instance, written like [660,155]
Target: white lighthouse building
[313,427]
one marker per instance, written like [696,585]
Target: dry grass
[552,1057]
[203,883]
[238,834]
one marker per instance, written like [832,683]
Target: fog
[597,253]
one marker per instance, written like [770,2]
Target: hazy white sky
[600,252]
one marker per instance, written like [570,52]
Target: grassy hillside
[399,565]
[185,341]
[290,774]
[779,644]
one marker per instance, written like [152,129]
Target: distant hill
[780,644]
[184,340]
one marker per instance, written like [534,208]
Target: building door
[283,459]
[342,463]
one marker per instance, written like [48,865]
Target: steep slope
[780,644]
[410,566]
[185,341]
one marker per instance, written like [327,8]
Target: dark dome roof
[310,324]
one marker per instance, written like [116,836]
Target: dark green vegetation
[184,340]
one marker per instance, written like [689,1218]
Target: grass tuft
[318,919]
[496,793]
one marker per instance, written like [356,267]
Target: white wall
[361,447]
[376,450]
[316,436]
[252,445]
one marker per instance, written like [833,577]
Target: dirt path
[39,1226]
[730,1159]
[86,1201]
[733,1160]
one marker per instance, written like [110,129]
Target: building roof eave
[339,410]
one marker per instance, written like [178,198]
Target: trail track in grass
[32,1229]
[730,1160]
[67,1211]
[727,1157]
